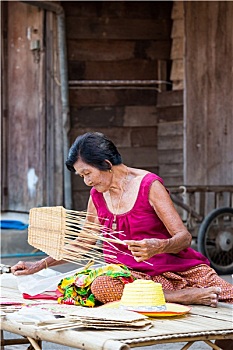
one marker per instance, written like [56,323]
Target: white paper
[45,280]
[31,315]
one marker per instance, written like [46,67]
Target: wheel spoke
[215,239]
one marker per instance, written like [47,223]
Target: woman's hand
[146,248]
[23,268]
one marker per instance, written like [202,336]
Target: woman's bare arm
[164,208]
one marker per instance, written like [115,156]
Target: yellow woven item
[143,294]
[66,234]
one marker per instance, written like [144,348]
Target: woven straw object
[143,294]
[66,235]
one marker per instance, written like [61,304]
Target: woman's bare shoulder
[137,173]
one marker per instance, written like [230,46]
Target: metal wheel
[215,239]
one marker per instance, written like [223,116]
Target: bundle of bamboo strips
[67,235]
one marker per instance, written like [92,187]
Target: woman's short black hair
[93,148]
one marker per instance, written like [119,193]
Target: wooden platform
[201,324]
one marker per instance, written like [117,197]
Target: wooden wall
[170,108]
[177,51]
[32,165]
[170,133]
[23,114]
[209,93]
[117,41]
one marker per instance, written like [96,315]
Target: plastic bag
[42,281]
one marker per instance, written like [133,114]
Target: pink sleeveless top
[139,223]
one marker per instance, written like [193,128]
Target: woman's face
[99,179]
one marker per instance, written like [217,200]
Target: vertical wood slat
[4,107]
[54,152]
[26,160]
[177,50]
[49,111]
[202,203]
[209,112]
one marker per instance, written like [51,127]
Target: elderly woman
[137,206]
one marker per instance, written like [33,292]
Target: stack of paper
[99,319]
[112,319]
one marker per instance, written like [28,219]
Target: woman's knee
[107,289]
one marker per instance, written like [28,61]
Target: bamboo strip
[187,346]
[67,234]
[68,259]
[104,239]
[212,345]
[89,254]
[76,256]
[34,343]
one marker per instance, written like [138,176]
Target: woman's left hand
[146,248]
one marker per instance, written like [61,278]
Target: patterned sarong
[201,276]
[76,289]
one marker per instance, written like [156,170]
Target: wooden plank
[54,192]
[177,10]
[116,9]
[170,98]
[80,199]
[174,180]
[157,49]
[4,98]
[152,168]
[169,156]
[120,28]
[178,29]
[202,200]
[97,117]
[78,184]
[132,70]
[170,114]
[140,116]
[26,138]
[171,170]
[222,199]
[162,74]
[177,51]
[209,137]
[173,142]
[121,136]
[139,157]
[112,97]
[113,116]
[224,314]
[144,137]
[210,202]
[177,72]
[172,128]
[100,50]
[116,50]
[178,85]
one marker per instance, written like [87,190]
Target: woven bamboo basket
[66,235]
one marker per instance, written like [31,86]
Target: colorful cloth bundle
[76,289]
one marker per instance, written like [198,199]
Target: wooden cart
[207,211]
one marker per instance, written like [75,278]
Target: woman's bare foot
[202,296]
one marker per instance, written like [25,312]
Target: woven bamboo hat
[143,295]
[147,298]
